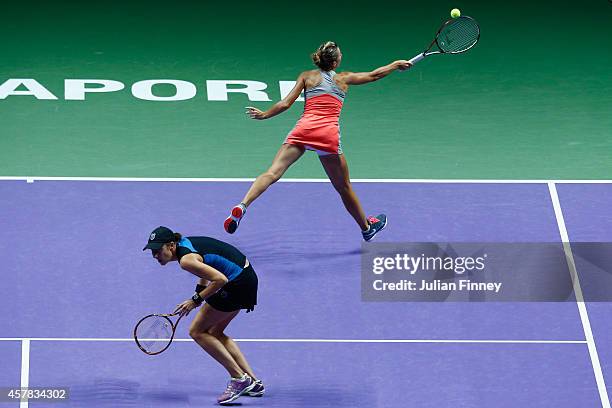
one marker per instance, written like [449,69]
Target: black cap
[159,237]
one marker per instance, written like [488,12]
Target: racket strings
[458,36]
[154,333]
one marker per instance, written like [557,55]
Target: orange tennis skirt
[318,129]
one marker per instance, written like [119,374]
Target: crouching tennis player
[227,284]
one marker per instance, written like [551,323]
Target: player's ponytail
[326,55]
[177,237]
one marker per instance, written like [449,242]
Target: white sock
[368,227]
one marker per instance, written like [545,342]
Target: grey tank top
[326,86]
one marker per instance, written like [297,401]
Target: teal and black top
[222,256]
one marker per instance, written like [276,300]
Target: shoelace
[230,388]
[373,220]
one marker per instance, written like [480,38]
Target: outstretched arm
[280,106]
[358,78]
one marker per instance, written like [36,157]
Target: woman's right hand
[184,308]
[403,65]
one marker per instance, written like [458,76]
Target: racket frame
[173,325]
[427,53]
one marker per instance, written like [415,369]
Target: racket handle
[417,58]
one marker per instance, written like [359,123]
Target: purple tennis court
[311,338]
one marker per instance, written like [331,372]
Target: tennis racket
[154,333]
[456,35]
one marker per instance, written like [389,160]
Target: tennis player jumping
[318,130]
[227,284]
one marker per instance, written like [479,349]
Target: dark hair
[177,237]
[326,55]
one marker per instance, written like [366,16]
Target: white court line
[584,315]
[459,341]
[31,179]
[25,368]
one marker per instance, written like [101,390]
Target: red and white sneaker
[231,222]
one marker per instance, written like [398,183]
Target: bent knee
[194,333]
[197,332]
[217,334]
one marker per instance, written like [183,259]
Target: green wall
[532,100]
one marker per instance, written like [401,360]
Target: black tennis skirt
[241,293]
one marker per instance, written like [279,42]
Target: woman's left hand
[254,113]
[184,308]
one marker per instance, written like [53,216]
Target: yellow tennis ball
[455,13]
